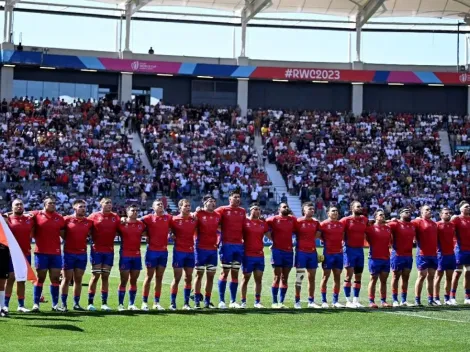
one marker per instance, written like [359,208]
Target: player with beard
[401,261]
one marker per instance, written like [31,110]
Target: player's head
[209,202]
[405,214]
[184,206]
[17,207]
[464,207]
[80,207]
[234,198]
[255,211]
[332,212]
[425,212]
[157,206]
[106,205]
[379,216]
[284,209]
[132,211]
[49,204]
[356,208]
[308,209]
[445,214]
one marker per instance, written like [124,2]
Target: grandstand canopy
[344,8]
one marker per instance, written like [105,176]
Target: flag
[23,271]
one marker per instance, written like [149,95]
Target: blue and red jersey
[426,236]
[332,234]
[354,230]
[445,238]
[403,235]
[379,238]
[282,228]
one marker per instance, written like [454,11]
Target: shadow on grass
[31,317]
[67,327]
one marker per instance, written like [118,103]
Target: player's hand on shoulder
[198,209]
[123,220]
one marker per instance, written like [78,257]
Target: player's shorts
[377,266]
[47,261]
[130,263]
[204,257]
[28,257]
[183,259]
[155,259]
[100,258]
[230,253]
[251,264]
[282,259]
[4,261]
[333,261]
[446,262]
[75,261]
[399,263]
[462,257]
[353,257]
[424,262]
[304,260]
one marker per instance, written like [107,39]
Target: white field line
[427,317]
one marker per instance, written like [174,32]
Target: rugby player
[332,234]
[183,227]
[105,226]
[426,254]
[445,255]
[254,230]
[378,236]
[75,235]
[354,232]
[306,258]
[401,261]
[22,227]
[4,271]
[282,227]
[231,247]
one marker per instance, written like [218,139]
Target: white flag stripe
[20,265]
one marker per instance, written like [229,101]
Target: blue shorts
[47,261]
[130,263]
[205,257]
[377,266]
[282,259]
[333,261]
[75,261]
[12,270]
[183,259]
[230,253]
[154,259]
[424,262]
[353,257]
[251,264]
[304,260]
[99,258]
[462,257]
[446,262]
[401,263]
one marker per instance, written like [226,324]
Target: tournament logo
[135,65]
[463,77]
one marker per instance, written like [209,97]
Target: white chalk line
[427,317]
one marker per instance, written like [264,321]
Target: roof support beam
[133,6]
[367,12]
[253,7]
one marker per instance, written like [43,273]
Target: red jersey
[158,228]
[462,232]
[306,234]
[445,237]
[379,238]
[426,237]
[183,228]
[354,230]
[253,234]
[105,226]
[131,235]
[282,228]
[232,219]
[206,235]
[21,226]
[403,234]
[332,236]
[47,231]
[76,234]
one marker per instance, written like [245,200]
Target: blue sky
[215,41]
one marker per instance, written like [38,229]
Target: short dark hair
[352,203]
[78,201]
[331,207]
[48,198]
[444,209]
[235,191]
[132,206]
[306,204]
[377,212]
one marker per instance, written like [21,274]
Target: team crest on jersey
[113,219]
[27,221]
[56,219]
[139,227]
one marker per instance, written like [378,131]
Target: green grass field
[426,329]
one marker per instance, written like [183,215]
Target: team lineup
[236,238]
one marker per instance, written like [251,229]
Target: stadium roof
[344,8]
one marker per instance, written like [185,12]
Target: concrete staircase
[445,143]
